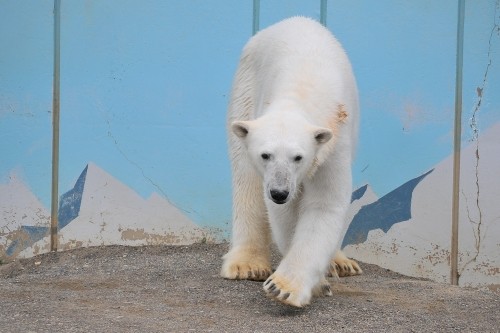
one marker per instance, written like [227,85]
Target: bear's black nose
[279,197]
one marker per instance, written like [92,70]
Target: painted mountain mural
[23,218]
[99,210]
[409,229]
[382,214]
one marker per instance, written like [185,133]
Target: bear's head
[283,147]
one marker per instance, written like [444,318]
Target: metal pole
[322,12]
[55,129]
[256,16]
[457,144]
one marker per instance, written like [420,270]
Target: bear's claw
[280,289]
[246,271]
[323,289]
[285,296]
[246,264]
[327,290]
[341,266]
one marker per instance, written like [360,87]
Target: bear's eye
[265,156]
[297,158]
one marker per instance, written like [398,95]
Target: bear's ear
[322,135]
[240,128]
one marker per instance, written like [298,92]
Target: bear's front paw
[282,289]
[341,266]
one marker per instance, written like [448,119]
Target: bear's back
[296,37]
[300,54]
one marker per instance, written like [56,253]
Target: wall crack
[477,223]
[132,162]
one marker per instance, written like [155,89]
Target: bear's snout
[278,196]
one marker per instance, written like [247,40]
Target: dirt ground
[178,289]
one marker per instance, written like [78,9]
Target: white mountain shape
[19,206]
[112,213]
[421,246]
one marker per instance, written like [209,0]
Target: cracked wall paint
[419,246]
[474,202]
[125,156]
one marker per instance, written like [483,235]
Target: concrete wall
[144,89]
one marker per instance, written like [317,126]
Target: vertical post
[457,144]
[322,12]
[55,129]
[256,16]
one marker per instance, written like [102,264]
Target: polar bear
[292,123]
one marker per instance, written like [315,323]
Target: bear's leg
[341,266]
[302,270]
[317,235]
[248,257]
[283,219]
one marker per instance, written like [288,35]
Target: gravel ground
[178,289]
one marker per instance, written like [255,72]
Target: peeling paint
[438,256]
[72,244]
[151,239]
[177,238]
[39,249]
[494,287]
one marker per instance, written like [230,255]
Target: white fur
[293,87]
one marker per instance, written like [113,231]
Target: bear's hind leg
[341,266]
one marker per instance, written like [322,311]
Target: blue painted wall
[26,93]
[145,89]
[145,84]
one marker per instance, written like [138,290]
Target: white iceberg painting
[409,229]
[100,210]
